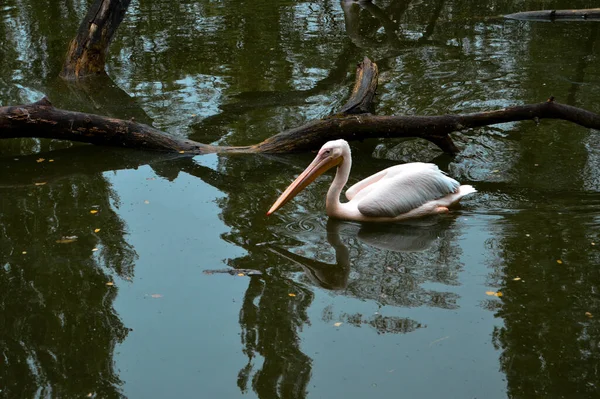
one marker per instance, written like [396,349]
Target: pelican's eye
[327,152]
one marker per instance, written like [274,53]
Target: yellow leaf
[559,261]
[290,294]
[490,293]
[110,283]
[93,211]
[588,314]
[24,252]
[94,249]
[337,324]
[498,294]
[96,230]
[593,243]
[156,296]
[40,183]
[182,152]
[516,278]
[40,160]
[51,160]
[241,274]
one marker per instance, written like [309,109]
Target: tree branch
[87,52]
[555,15]
[364,89]
[42,120]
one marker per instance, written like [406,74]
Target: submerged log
[87,51]
[433,128]
[42,120]
[589,14]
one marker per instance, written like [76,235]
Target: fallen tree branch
[433,128]
[42,120]
[590,14]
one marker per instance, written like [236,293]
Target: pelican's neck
[335,190]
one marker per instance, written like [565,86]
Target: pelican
[397,193]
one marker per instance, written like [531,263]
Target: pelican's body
[396,193]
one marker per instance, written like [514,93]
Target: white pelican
[396,193]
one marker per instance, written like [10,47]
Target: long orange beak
[320,165]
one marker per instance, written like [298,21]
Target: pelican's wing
[404,188]
[354,189]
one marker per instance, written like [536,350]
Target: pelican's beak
[320,165]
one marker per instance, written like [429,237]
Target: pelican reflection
[413,236]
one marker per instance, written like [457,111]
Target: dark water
[127,310]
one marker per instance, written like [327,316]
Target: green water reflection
[339,309]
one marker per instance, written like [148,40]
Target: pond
[106,255]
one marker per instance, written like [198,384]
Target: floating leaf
[339,323]
[40,160]
[516,278]
[51,160]
[146,202]
[490,293]
[24,252]
[110,283]
[182,152]
[94,249]
[559,261]
[40,183]
[93,211]
[66,240]
[156,296]
[241,274]
[593,243]
[499,294]
[96,230]
[588,314]
[291,294]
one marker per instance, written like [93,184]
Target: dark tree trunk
[87,52]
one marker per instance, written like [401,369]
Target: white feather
[400,189]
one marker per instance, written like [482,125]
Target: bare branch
[42,120]
[558,15]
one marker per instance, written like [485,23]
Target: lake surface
[500,298]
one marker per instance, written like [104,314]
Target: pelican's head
[331,154]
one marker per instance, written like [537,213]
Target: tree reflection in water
[58,328]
